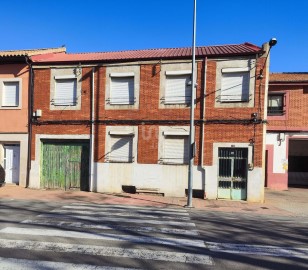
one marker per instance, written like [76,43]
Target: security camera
[272,42]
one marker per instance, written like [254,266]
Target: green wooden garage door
[65,165]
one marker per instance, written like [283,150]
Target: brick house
[287,131]
[119,121]
[14,113]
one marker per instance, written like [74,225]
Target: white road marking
[125,207]
[13,264]
[104,236]
[142,254]
[109,213]
[52,223]
[111,219]
[141,211]
[261,250]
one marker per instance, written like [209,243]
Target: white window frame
[235,65]
[243,74]
[72,102]
[118,132]
[173,133]
[175,68]
[65,74]
[182,99]
[125,77]
[120,71]
[3,81]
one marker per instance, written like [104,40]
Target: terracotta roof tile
[14,53]
[171,53]
[287,77]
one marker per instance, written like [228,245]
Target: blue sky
[93,26]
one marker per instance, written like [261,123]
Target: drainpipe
[30,111]
[203,116]
[92,134]
[202,122]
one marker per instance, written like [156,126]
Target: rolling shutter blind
[122,90]
[177,90]
[121,149]
[10,94]
[66,92]
[176,149]
[235,86]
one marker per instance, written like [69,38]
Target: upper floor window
[276,104]
[178,87]
[234,85]
[10,93]
[65,88]
[65,91]
[122,89]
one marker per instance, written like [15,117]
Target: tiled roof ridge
[160,49]
[30,52]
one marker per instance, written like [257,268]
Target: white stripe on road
[141,211]
[108,213]
[111,219]
[82,225]
[261,250]
[105,236]
[125,207]
[142,254]
[13,264]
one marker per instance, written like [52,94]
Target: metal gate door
[232,176]
[65,165]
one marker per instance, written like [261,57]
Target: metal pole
[192,114]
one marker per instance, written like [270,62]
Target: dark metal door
[232,175]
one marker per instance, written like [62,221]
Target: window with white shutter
[121,149]
[175,149]
[235,86]
[10,94]
[178,89]
[122,90]
[65,92]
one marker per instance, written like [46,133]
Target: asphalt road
[55,235]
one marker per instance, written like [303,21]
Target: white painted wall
[22,140]
[280,155]
[172,180]
[254,178]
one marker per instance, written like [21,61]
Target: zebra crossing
[112,236]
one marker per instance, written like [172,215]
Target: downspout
[202,127]
[30,111]
[92,134]
[203,116]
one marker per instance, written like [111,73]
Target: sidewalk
[293,202]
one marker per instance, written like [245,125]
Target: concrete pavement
[293,202]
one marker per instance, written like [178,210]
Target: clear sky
[100,25]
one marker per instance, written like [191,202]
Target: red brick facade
[149,111]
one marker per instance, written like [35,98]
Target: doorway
[232,173]
[11,163]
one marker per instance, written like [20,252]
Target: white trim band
[231,70]
[65,77]
[178,72]
[176,133]
[122,74]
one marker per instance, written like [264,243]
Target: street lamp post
[192,114]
